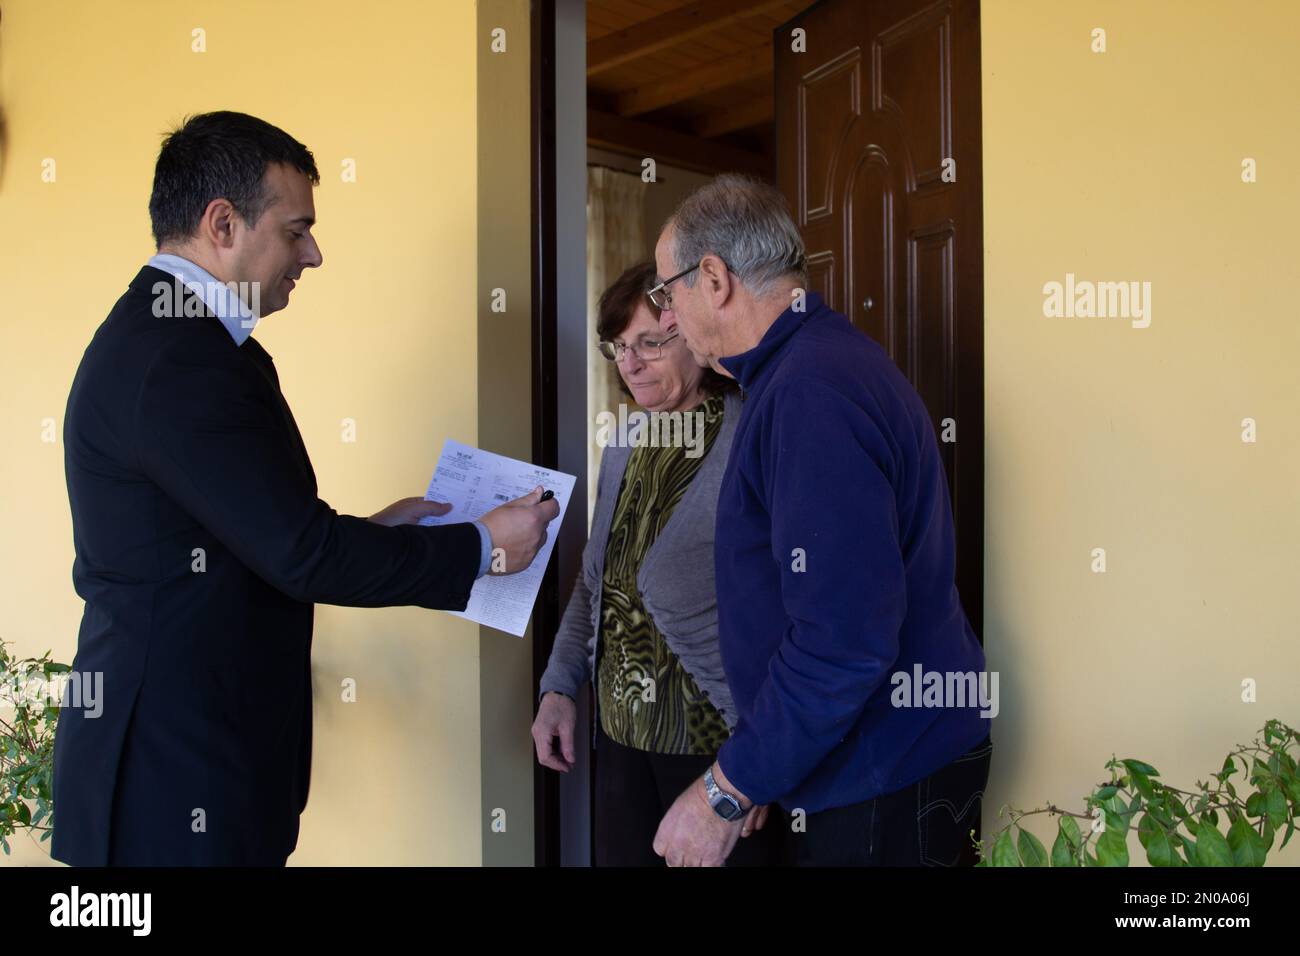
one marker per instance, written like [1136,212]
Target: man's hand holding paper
[504,496]
[518,529]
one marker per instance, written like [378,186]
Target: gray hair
[744,222]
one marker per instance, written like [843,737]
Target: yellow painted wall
[384,334]
[1126,165]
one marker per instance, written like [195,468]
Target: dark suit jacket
[176,439]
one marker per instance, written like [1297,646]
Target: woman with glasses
[642,621]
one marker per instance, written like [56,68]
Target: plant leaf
[1071,830]
[1062,852]
[1137,766]
[1142,784]
[1032,851]
[1211,847]
[1247,846]
[1159,852]
[1004,851]
[1276,806]
[1112,850]
[1147,826]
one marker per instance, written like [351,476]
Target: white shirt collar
[221,300]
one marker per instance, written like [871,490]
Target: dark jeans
[927,823]
[635,788]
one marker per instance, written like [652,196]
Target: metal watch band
[724,804]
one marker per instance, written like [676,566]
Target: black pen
[547,495]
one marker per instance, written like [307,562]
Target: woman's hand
[556,717]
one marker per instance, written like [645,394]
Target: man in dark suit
[201,544]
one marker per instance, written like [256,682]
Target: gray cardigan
[675,578]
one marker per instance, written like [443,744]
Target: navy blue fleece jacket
[835,560]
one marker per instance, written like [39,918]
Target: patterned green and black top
[671,715]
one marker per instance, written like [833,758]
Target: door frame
[558,164]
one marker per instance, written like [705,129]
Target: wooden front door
[878,152]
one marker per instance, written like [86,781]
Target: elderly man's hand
[754,820]
[691,832]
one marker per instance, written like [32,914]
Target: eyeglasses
[649,350]
[660,296]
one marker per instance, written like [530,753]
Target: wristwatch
[723,803]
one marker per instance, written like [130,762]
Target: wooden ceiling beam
[724,121]
[668,30]
[672,147]
[746,65]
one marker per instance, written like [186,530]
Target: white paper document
[473,482]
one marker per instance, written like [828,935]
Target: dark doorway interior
[866,114]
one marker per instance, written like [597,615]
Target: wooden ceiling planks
[687,77]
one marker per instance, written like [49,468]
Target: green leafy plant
[27,744]
[1175,827]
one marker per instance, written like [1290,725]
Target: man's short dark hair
[220,155]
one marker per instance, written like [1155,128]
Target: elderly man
[835,559]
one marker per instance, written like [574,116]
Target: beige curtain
[615,240]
